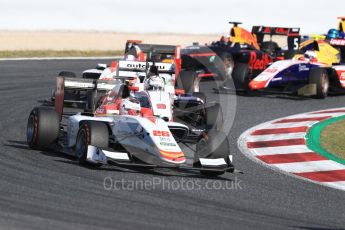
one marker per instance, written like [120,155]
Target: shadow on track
[312,228]
[113,168]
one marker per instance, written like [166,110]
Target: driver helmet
[129,57]
[333,33]
[153,70]
[310,54]
[154,82]
[130,106]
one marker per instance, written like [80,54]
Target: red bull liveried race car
[239,57]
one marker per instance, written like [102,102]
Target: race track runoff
[46,190]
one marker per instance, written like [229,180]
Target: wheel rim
[30,128]
[81,144]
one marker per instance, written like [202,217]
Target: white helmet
[154,83]
[309,54]
[130,57]
[130,106]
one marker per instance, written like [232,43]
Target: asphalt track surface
[46,190]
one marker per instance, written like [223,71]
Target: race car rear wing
[146,48]
[138,66]
[155,49]
[293,34]
[75,84]
[88,84]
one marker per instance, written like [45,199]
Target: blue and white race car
[317,72]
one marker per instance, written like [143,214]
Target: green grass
[58,53]
[333,138]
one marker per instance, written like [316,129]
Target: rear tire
[187,80]
[91,133]
[42,128]
[240,76]
[214,145]
[319,77]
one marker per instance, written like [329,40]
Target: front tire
[42,128]
[91,133]
[319,77]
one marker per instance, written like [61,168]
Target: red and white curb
[281,145]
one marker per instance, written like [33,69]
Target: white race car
[135,127]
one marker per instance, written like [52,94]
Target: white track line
[337,184]
[280,150]
[287,125]
[310,166]
[314,115]
[273,137]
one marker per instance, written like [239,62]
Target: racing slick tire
[188,81]
[42,128]
[67,74]
[213,145]
[214,117]
[91,133]
[240,77]
[319,77]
